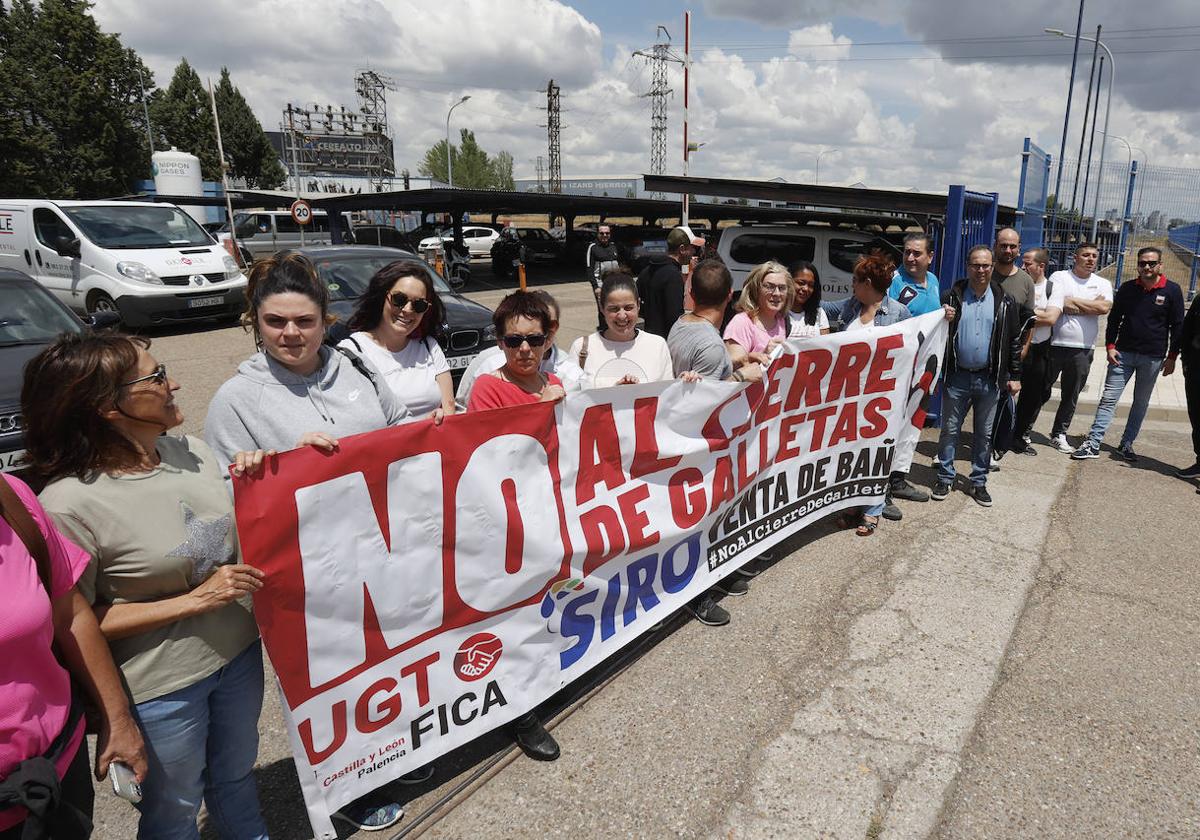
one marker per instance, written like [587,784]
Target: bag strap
[17,516]
[359,365]
[583,352]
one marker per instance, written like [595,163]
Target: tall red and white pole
[687,66]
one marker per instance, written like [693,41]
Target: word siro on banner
[425,585]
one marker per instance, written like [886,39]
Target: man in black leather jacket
[983,355]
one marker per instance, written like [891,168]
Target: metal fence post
[950,257]
[1195,264]
[1025,157]
[1125,223]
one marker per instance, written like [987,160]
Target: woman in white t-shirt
[621,354]
[395,327]
[763,321]
[808,318]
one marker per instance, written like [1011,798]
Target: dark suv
[347,269]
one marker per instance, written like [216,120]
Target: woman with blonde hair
[766,300]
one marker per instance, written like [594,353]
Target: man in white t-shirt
[1035,386]
[1086,296]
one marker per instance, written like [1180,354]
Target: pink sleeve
[67,560]
[742,331]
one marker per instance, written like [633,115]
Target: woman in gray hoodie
[297,391]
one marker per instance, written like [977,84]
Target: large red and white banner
[428,584]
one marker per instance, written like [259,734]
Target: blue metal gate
[1032,195]
[970,221]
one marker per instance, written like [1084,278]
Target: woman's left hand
[251,461]
[628,379]
[690,376]
[553,393]
[949,310]
[120,740]
[772,344]
[437,416]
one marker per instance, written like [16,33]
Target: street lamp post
[450,157]
[817,168]
[1112,77]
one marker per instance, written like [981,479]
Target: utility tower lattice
[553,129]
[370,87]
[658,57]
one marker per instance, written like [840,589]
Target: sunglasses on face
[399,300]
[1146,263]
[159,377]
[513,342]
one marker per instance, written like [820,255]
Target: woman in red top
[523,324]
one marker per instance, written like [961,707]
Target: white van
[263,232]
[831,250]
[150,263]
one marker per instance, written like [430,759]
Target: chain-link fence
[1122,207]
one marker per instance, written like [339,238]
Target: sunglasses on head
[400,300]
[515,341]
[159,377]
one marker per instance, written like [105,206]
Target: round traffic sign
[301,211]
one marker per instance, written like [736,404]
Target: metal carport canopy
[814,195]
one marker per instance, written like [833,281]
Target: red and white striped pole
[687,66]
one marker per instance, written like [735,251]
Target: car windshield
[136,226]
[28,315]
[348,277]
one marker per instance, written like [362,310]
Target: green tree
[473,168]
[71,123]
[183,116]
[247,148]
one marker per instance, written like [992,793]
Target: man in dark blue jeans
[983,354]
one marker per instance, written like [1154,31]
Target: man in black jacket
[660,284]
[983,354]
[1189,354]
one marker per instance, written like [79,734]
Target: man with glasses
[602,257]
[1142,338]
[1086,296]
[983,354]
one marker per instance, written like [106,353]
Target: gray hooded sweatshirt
[266,406]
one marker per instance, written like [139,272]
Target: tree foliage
[182,116]
[247,148]
[71,123]
[473,167]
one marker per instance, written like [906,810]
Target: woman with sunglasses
[396,323]
[523,326]
[621,354]
[166,579]
[763,321]
[808,318]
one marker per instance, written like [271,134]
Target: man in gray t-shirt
[1015,281]
[697,346]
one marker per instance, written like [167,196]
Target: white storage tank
[178,173]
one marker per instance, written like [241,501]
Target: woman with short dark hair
[523,328]
[166,580]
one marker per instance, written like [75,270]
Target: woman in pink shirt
[41,727]
[766,299]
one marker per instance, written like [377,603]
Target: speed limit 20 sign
[301,211]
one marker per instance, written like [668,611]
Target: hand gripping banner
[426,584]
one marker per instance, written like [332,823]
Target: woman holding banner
[764,320]
[808,318]
[621,354]
[166,579]
[297,391]
[396,323]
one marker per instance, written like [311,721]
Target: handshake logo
[477,656]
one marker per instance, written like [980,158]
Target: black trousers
[1035,387]
[1072,364]
[1191,390]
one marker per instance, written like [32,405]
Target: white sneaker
[1060,443]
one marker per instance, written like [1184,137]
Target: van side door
[15,248]
[56,273]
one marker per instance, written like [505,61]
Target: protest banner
[427,584]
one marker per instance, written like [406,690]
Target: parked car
[540,246]
[477,238]
[384,235]
[263,232]
[30,318]
[831,250]
[347,269]
[148,262]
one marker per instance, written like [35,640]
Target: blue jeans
[202,742]
[975,390]
[1146,369]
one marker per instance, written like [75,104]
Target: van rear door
[15,250]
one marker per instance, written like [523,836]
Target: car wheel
[98,301]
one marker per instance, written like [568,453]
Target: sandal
[867,527]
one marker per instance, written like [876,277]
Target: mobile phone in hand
[124,783]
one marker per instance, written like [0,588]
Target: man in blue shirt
[983,354]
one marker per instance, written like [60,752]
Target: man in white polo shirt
[1035,387]
[1086,296]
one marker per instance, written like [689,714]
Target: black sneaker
[1087,450]
[1022,447]
[1189,472]
[733,585]
[981,496]
[1125,450]
[903,489]
[416,777]
[708,611]
[939,491]
[890,511]
[753,568]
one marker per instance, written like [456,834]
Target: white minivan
[831,250]
[149,263]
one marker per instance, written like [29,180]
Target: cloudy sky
[910,93]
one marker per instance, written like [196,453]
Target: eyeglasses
[981,266]
[159,377]
[1146,263]
[514,341]
[400,300]
[774,288]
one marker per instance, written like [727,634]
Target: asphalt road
[1027,670]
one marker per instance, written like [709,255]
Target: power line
[968,57]
[1175,31]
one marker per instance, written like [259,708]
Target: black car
[30,318]
[347,270]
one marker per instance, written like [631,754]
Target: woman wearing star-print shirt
[166,579]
